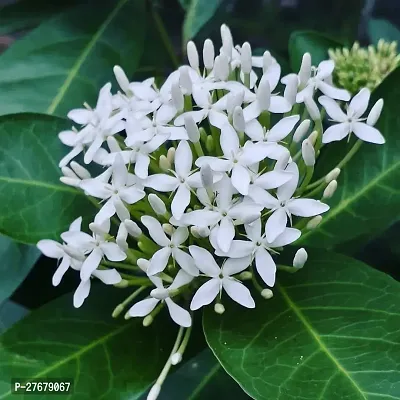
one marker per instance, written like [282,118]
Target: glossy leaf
[16,262]
[198,13]
[34,204]
[368,196]
[382,29]
[317,45]
[10,313]
[105,358]
[331,331]
[66,60]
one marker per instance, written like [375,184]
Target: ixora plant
[203,182]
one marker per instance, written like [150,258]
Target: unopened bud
[264,93]
[227,41]
[113,145]
[70,181]
[375,113]
[210,144]
[305,70]
[127,316]
[155,390]
[121,284]
[208,54]
[219,308]
[168,229]
[132,228]
[300,258]
[159,293]
[177,96]
[143,264]
[301,131]
[193,55]
[68,173]
[221,67]
[245,58]
[147,321]
[245,275]
[314,222]
[176,358]
[308,153]
[82,172]
[184,80]
[313,137]
[330,190]
[121,78]
[332,175]
[192,129]
[171,154]
[157,204]
[97,229]
[267,294]
[206,176]
[117,311]
[199,233]
[163,163]
[267,60]
[312,108]
[290,92]
[203,134]
[238,119]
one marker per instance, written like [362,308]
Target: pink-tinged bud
[193,55]
[208,54]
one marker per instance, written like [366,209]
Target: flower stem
[129,267]
[120,307]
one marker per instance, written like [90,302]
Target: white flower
[221,278]
[124,188]
[237,159]
[316,78]
[169,247]
[284,206]
[68,254]
[178,314]
[351,122]
[183,181]
[96,247]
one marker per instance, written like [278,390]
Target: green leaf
[10,313]
[105,358]
[368,195]
[184,3]
[198,13]
[34,204]
[66,60]
[16,262]
[331,331]
[317,45]
[382,29]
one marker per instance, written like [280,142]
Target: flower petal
[217,119]
[286,191]
[254,130]
[81,293]
[238,292]
[50,248]
[183,159]
[265,266]
[185,261]
[359,103]
[368,133]
[112,251]
[288,236]
[281,129]
[276,224]
[159,261]
[204,261]
[273,179]
[332,108]
[178,314]
[226,233]
[205,294]
[155,230]
[201,218]
[182,278]
[162,182]
[143,308]
[180,201]
[229,141]
[306,207]
[61,270]
[336,132]
[142,165]
[240,179]
[233,266]
[279,105]
[109,277]
[91,263]
[333,92]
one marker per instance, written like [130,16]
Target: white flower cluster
[205,179]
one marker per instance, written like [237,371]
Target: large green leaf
[382,29]
[368,195]
[34,204]
[16,262]
[105,358]
[331,331]
[198,13]
[66,60]
[317,45]
[10,313]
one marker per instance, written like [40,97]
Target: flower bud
[96,228]
[123,284]
[330,190]
[245,58]
[267,60]
[194,230]
[208,54]
[155,390]
[171,154]
[227,41]
[121,78]
[210,144]
[176,358]
[70,181]
[113,145]
[267,294]
[168,229]
[163,163]
[122,235]
[375,113]
[290,92]
[157,204]
[193,55]
[332,175]
[312,108]
[177,96]
[219,308]
[314,222]
[132,228]
[301,131]
[159,293]
[192,129]
[117,311]
[308,153]
[245,275]
[238,119]
[82,172]
[185,81]
[68,173]
[305,70]
[221,67]
[264,93]
[143,264]
[300,258]
[206,175]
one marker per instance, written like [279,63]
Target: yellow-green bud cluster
[360,67]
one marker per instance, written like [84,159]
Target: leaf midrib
[345,203]
[318,339]
[82,58]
